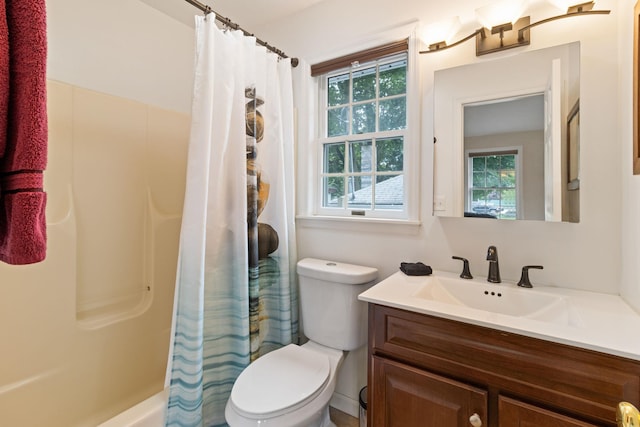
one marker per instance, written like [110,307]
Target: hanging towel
[23,155]
[4,76]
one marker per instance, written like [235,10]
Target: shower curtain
[236,294]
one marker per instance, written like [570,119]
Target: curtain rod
[228,23]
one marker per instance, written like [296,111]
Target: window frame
[483,152]
[411,142]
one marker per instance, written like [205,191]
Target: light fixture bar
[506,36]
[570,14]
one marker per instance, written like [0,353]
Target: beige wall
[86,332]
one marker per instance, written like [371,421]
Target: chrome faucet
[494,268]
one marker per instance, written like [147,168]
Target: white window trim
[411,155]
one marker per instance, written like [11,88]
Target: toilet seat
[280,382]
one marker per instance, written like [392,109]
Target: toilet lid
[280,380]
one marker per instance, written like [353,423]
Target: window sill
[358,223]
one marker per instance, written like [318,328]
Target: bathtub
[148,413]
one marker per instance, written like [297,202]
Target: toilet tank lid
[333,271]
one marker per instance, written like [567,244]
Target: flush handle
[475,420]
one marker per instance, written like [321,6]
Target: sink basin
[495,298]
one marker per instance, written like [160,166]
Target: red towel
[4,76]
[23,237]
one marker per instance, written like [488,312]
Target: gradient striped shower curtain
[236,294]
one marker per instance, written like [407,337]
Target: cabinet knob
[627,415]
[475,420]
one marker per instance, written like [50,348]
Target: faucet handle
[466,273]
[524,277]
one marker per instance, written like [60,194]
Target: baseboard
[345,404]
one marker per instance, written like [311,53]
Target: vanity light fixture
[500,24]
[512,34]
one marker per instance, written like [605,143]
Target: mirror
[507,137]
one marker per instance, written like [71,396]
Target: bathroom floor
[341,419]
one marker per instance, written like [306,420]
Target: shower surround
[86,332]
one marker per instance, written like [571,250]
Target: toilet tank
[331,313]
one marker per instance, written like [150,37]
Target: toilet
[292,386]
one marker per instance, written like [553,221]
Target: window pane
[333,192]
[508,162]
[494,185]
[389,155]
[493,163]
[493,178]
[508,178]
[364,118]
[338,90]
[508,204]
[359,192]
[338,121]
[389,192]
[364,84]
[478,198]
[393,114]
[479,179]
[393,78]
[334,158]
[479,164]
[360,156]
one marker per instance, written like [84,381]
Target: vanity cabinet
[429,371]
[414,397]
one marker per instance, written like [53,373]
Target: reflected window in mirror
[505,137]
[492,184]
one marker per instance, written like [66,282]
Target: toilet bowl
[292,386]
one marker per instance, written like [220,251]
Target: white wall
[584,256]
[121,47]
[630,206]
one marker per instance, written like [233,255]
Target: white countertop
[600,322]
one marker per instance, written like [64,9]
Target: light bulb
[499,13]
[440,31]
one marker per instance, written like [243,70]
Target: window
[363,139]
[493,183]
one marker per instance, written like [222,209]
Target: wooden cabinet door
[404,396]
[513,413]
